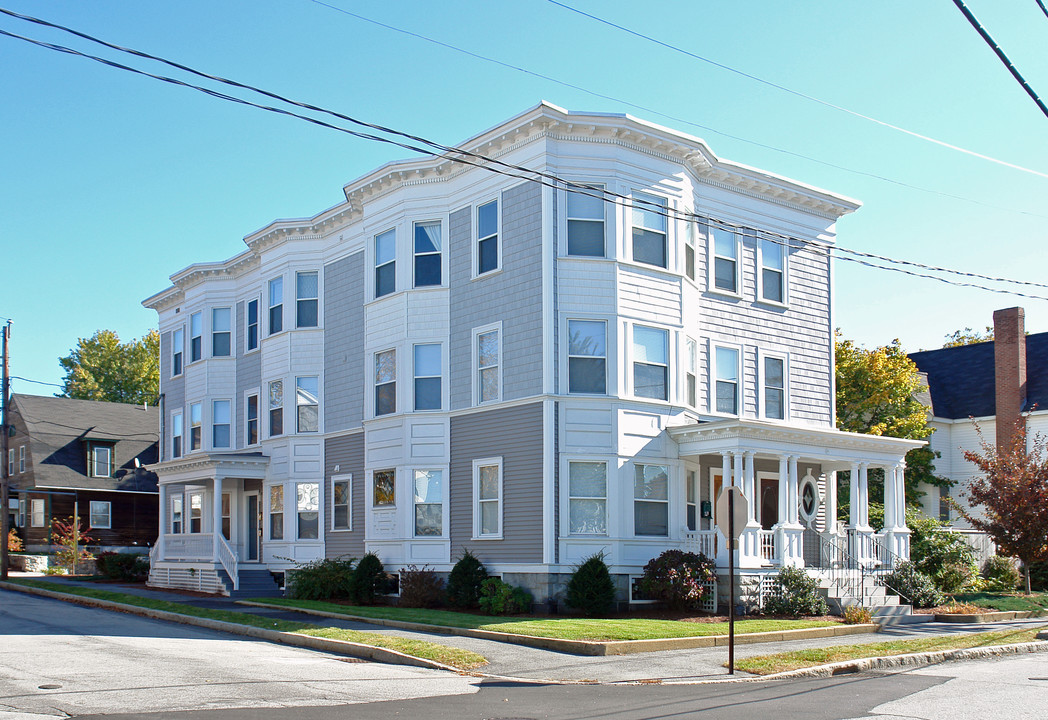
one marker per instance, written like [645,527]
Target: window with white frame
[341,518]
[588,498]
[772,271]
[427,369]
[691,361]
[488,237]
[196,336]
[276,305]
[196,513]
[651,500]
[276,512]
[36,513]
[690,235]
[587,356]
[177,347]
[101,460]
[176,515]
[649,230]
[385,382]
[252,325]
[385,263]
[585,211]
[307,401]
[774,382]
[276,408]
[21,459]
[691,501]
[221,332]
[308,506]
[307,299]
[726,389]
[427,254]
[221,424]
[176,435]
[20,517]
[487,498]
[429,503]
[227,515]
[650,362]
[384,488]
[196,418]
[251,429]
[10,462]
[488,351]
[725,260]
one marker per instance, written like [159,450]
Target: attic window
[100,461]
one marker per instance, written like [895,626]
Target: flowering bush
[678,578]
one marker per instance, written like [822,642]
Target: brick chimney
[1009,360]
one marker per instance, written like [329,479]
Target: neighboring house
[454,359]
[987,387]
[86,457]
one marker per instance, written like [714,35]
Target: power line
[1044,9]
[799,94]
[38,382]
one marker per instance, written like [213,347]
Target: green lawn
[781,662]
[1035,602]
[455,657]
[561,628]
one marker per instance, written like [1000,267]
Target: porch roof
[211,466]
[828,446]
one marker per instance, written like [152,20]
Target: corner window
[276,512]
[427,254]
[221,332]
[587,356]
[774,383]
[487,498]
[308,502]
[772,271]
[385,488]
[221,424]
[276,408]
[251,434]
[176,435]
[196,412]
[725,260]
[307,294]
[307,401]
[340,515]
[276,305]
[585,210]
[252,325]
[196,513]
[651,500]
[488,351]
[36,513]
[429,507]
[177,347]
[691,363]
[385,382]
[385,263]
[488,237]
[588,498]
[649,230]
[727,381]
[689,247]
[176,515]
[196,340]
[427,377]
[650,363]
[101,461]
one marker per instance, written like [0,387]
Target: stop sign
[742,512]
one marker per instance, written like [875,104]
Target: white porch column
[853,503]
[725,471]
[830,507]
[749,487]
[736,475]
[896,534]
[216,527]
[792,531]
[162,499]
[864,497]
[784,490]
[791,502]
[862,549]
[889,498]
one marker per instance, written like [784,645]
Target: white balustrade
[189,546]
[702,542]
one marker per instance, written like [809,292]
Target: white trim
[270,408]
[762,404]
[257,393]
[415,376]
[348,479]
[257,298]
[759,255]
[475,241]
[444,271]
[320,294]
[373,257]
[477,464]
[181,329]
[688,369]
[671,489]
[444,509]
[631,350]
[320,511]
[690,238]
[564,224]
[369,501]
[567,356]
[231,332]
[373,383]
[200,314]
[566,496]
[711,264]
[475,361]
[740,401]
[320,414]
[549,364]
[667,209]
[758,505]
[191,449]
[269,307]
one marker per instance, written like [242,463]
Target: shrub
[71,539]
[1000,574]
[914,586]
[591,589]
[368,580]
[954,577]
[959,608]
[1039,575]
[857,615]
[420,588]
[499,598]
[465,580]
[795,593]
[129,567]
[326,579]
[678,578]
[14,543]
[942,555]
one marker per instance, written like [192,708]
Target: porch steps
[885,606]
[253,583]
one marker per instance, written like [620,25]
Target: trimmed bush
[128,567]
[796,593]
[678,578]
[465,580]
[499,598]
[591,589]
[369,580]
[420,588]
[914,586]
[326,579]
[1000,574]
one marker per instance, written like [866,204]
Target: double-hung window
[385,382]
[176,515]
[177,347]
[307,294]
[488,387]
[651,500]
[21,459]
[308,506]
[487,498]
[691,361]
[176,435]
[774,382]
[588,498]
[340,513]
[691,501]
[725,260]
[384,490]
[650,363]
[385,263]
[196,336]
[221,332]
[276,512]
[727,381]
[649,230]
[689,247]
[427,377]
[772,271]
[101,457]
[36,512]
[252,420]
[196,513]
[10,462]
[307,400]
[252,324]
[196,418]
[488,237]
[276,305]
[276,408]
[429,503]
[427,254]
[587,356]
[585,208]
[221,424]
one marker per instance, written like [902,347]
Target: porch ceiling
[211,466]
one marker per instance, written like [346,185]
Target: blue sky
[111,182]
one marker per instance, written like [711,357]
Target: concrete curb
[988,617]
[593,648]
[337,647]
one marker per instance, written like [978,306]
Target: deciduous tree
[103,368]
[968,337]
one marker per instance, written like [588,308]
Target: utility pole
[5,478]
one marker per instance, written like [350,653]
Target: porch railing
[767,541]
[702,542]
[189,546]
[228,557]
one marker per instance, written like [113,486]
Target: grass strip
[559,628]
[1035,602]
[797,659]
[455,657]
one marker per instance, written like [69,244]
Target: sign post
[732,512]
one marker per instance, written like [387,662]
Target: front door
[769,494]
[254,527]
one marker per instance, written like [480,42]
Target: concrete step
[899,615]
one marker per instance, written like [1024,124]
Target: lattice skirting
[185,578]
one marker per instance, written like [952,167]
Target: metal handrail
[845,570]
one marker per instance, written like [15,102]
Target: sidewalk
[517,661]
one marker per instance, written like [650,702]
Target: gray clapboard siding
[343,343]
[515,435]
[346,451]
[249,377]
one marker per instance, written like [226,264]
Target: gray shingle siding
[346,451]
[343,340]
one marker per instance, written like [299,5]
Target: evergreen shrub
[591,589]
[324,579]
[795,593]
[464,582]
